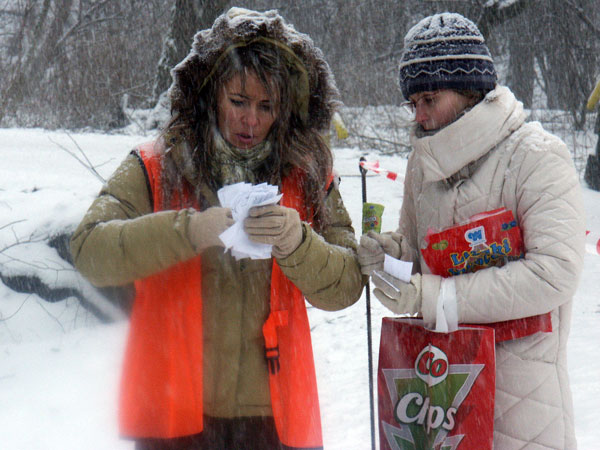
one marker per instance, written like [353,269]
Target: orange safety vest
[161,388]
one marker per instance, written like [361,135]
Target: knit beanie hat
[445,51]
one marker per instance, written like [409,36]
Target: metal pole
[363,177]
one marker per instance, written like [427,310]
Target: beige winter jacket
[487,159]
[120,240]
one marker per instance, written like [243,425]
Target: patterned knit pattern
[232,165]
[445,51]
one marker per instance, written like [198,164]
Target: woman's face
[436,109]
[245,112]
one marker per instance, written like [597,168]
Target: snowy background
[60,366]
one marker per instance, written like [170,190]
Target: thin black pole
[363,177]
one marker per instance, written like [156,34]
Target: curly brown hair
[294,143]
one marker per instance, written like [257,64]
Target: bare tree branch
[87,163]
[583,16]
[11,223]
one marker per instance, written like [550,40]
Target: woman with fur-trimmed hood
[219,353]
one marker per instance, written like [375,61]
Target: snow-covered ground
[59,367]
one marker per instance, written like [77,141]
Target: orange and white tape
[374,167]
[592,243]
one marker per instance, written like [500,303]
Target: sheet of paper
[399,269]
[240,197]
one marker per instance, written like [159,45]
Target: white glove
[373,248]
[204,227]
[396,295]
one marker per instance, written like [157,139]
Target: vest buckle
[272,357]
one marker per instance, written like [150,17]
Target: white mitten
[396,295]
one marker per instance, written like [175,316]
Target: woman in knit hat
[473,152]
[219,353]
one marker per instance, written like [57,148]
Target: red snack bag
[488,239]
[435,390]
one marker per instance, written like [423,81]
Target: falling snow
[59,367]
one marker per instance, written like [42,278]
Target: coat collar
[474,134]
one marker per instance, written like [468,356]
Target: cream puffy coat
[487,159]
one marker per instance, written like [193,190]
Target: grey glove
[396,295]
[204,227]
[276,225]
[373,248]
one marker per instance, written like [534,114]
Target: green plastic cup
[371,217]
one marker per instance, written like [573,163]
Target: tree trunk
[37,58]
[187,17]
[498,13]
[521,65]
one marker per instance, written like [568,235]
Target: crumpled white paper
[240,197]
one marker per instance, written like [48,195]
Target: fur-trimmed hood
[240,25]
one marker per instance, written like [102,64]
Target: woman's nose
[251,117]
[420,115]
